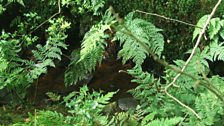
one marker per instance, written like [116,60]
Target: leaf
[165,122]
[91,53]
[148,118]
[222,33]
[214,27]
[21,2]
[200,24]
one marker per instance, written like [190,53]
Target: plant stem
[167,18]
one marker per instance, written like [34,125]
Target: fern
[93,102]
[165,122]
[215,28]
[153,100]
[52,50]
[83,108]
[123,119]
[18,73]
[148,91]
[210,107]
[215,51]
[49,118]
[145,32]
[11,74]
[87,107]
[91,53]
[200,24]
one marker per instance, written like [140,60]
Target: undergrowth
[196,98]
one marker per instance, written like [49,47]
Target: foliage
[12,74]
[216,36]
[165,122]
[3,4]
[145,32]
[45,55]
[215,29]
[123,119]
[81,6]
[19,73]
[189,92]
[88,107]
[45,118]
[195,88]
[18,1]
[148,91]
[94,44]
[91,53]
[84,108]
[154,100]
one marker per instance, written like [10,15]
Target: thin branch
[167,18]
[35,93]
[191,56]
[59,11]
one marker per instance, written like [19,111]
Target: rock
[122,104]
[126,104]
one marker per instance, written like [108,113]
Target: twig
[59,11]
[167,18]
[183,120]
[35,117]
[35,93]
[190,57]
[66,56]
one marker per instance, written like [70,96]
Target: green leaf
[214,27]
[21,2]
[200,24]
[165,122]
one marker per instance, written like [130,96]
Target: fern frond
[47,118]
[165,122]
[198,67]
[215,28]
[147,91]
[52,49]
[123,119]
[87,107]
[79,68]
[106,98]
[11,73]
[146,32]
[216,51]
[18,73]
[95,38]
[91,53]
[210,107]
[141,77]
[200,24]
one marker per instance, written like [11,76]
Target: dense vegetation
[177,65]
